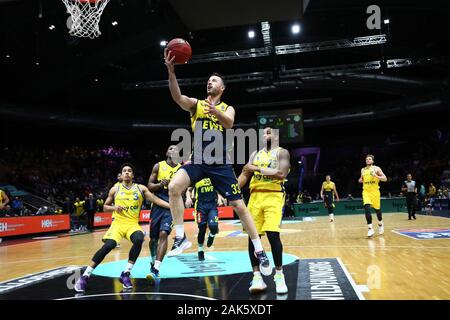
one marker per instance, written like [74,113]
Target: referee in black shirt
[409,187]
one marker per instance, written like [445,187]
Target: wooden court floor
[391,266]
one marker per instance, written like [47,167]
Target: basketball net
[85,17]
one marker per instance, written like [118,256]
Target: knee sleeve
[214,228]
[368,214]
[137,239]
[104,250]
[201,233]
[276,246]
[379,215]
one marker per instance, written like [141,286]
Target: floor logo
[425,233]
[188,265]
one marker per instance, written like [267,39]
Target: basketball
[181,49]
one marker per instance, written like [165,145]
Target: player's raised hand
[168,60]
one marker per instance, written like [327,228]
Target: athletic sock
[157,264]
[370,226]
[88,271]
[200,247]
[179,231]
[380,223]
[257,244]
[278,271]
[129,267]
[211,235]
[257,273]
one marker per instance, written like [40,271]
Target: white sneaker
[380,229]
[258,284]
[179,245]
[370,233]
[331,217]
[280,284]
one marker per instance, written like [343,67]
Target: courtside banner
[105,218]
[37,224]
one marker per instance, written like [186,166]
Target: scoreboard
[289,122]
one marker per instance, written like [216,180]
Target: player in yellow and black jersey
[125,201]
[268,169]
[371,176]
[161,218]
[327,193]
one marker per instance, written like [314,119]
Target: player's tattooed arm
[246,173]
[280,173]
[108,205]
[154,199]
[153,184]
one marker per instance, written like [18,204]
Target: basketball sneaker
[210,241]
[280,284]
[380,228]
[370,233]
[81,284]
[201,256]
[257,285]
[153,276]
[179,245]
[125,280]
[331,217]
[264,263]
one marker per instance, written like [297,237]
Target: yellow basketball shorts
[372,198]
[266,209]
[119,230]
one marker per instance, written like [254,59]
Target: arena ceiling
[334,66]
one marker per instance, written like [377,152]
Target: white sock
[129,267]
[380,223]
[179,230]
[370,226]
[200,247]
[88,271]
[257,244]
[331,216]
[257,273]
[278,271]
[212,235]
[157,264]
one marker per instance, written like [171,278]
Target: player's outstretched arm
[152,198]
[108,205]
[185,102]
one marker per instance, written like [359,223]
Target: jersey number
[236,188]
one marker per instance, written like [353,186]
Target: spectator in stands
[100,203]
[90,206]
[68,206]
[16,206]
[431,190]
[349,197]
[80,214]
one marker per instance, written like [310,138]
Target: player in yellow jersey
[4,200]
[371,175]
[125,201]
[119,179]
[209,117]
[268,169]
[161,218]
[329,191]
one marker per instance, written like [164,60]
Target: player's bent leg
[277,253]
[213,230]
[177,186]
[257,284]
[368,214]
[248,224]
[81,284]
[137,238]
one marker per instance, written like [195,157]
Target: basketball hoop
[85,16]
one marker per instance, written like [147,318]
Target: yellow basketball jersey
[261,182]
[370,183]
[165,171]
[328,186]
[131,200]
[209,122]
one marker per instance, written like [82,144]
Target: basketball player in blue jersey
[125,201]
[161,218]
[206,214]
[210,116]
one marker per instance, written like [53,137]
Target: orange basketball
[181,49]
